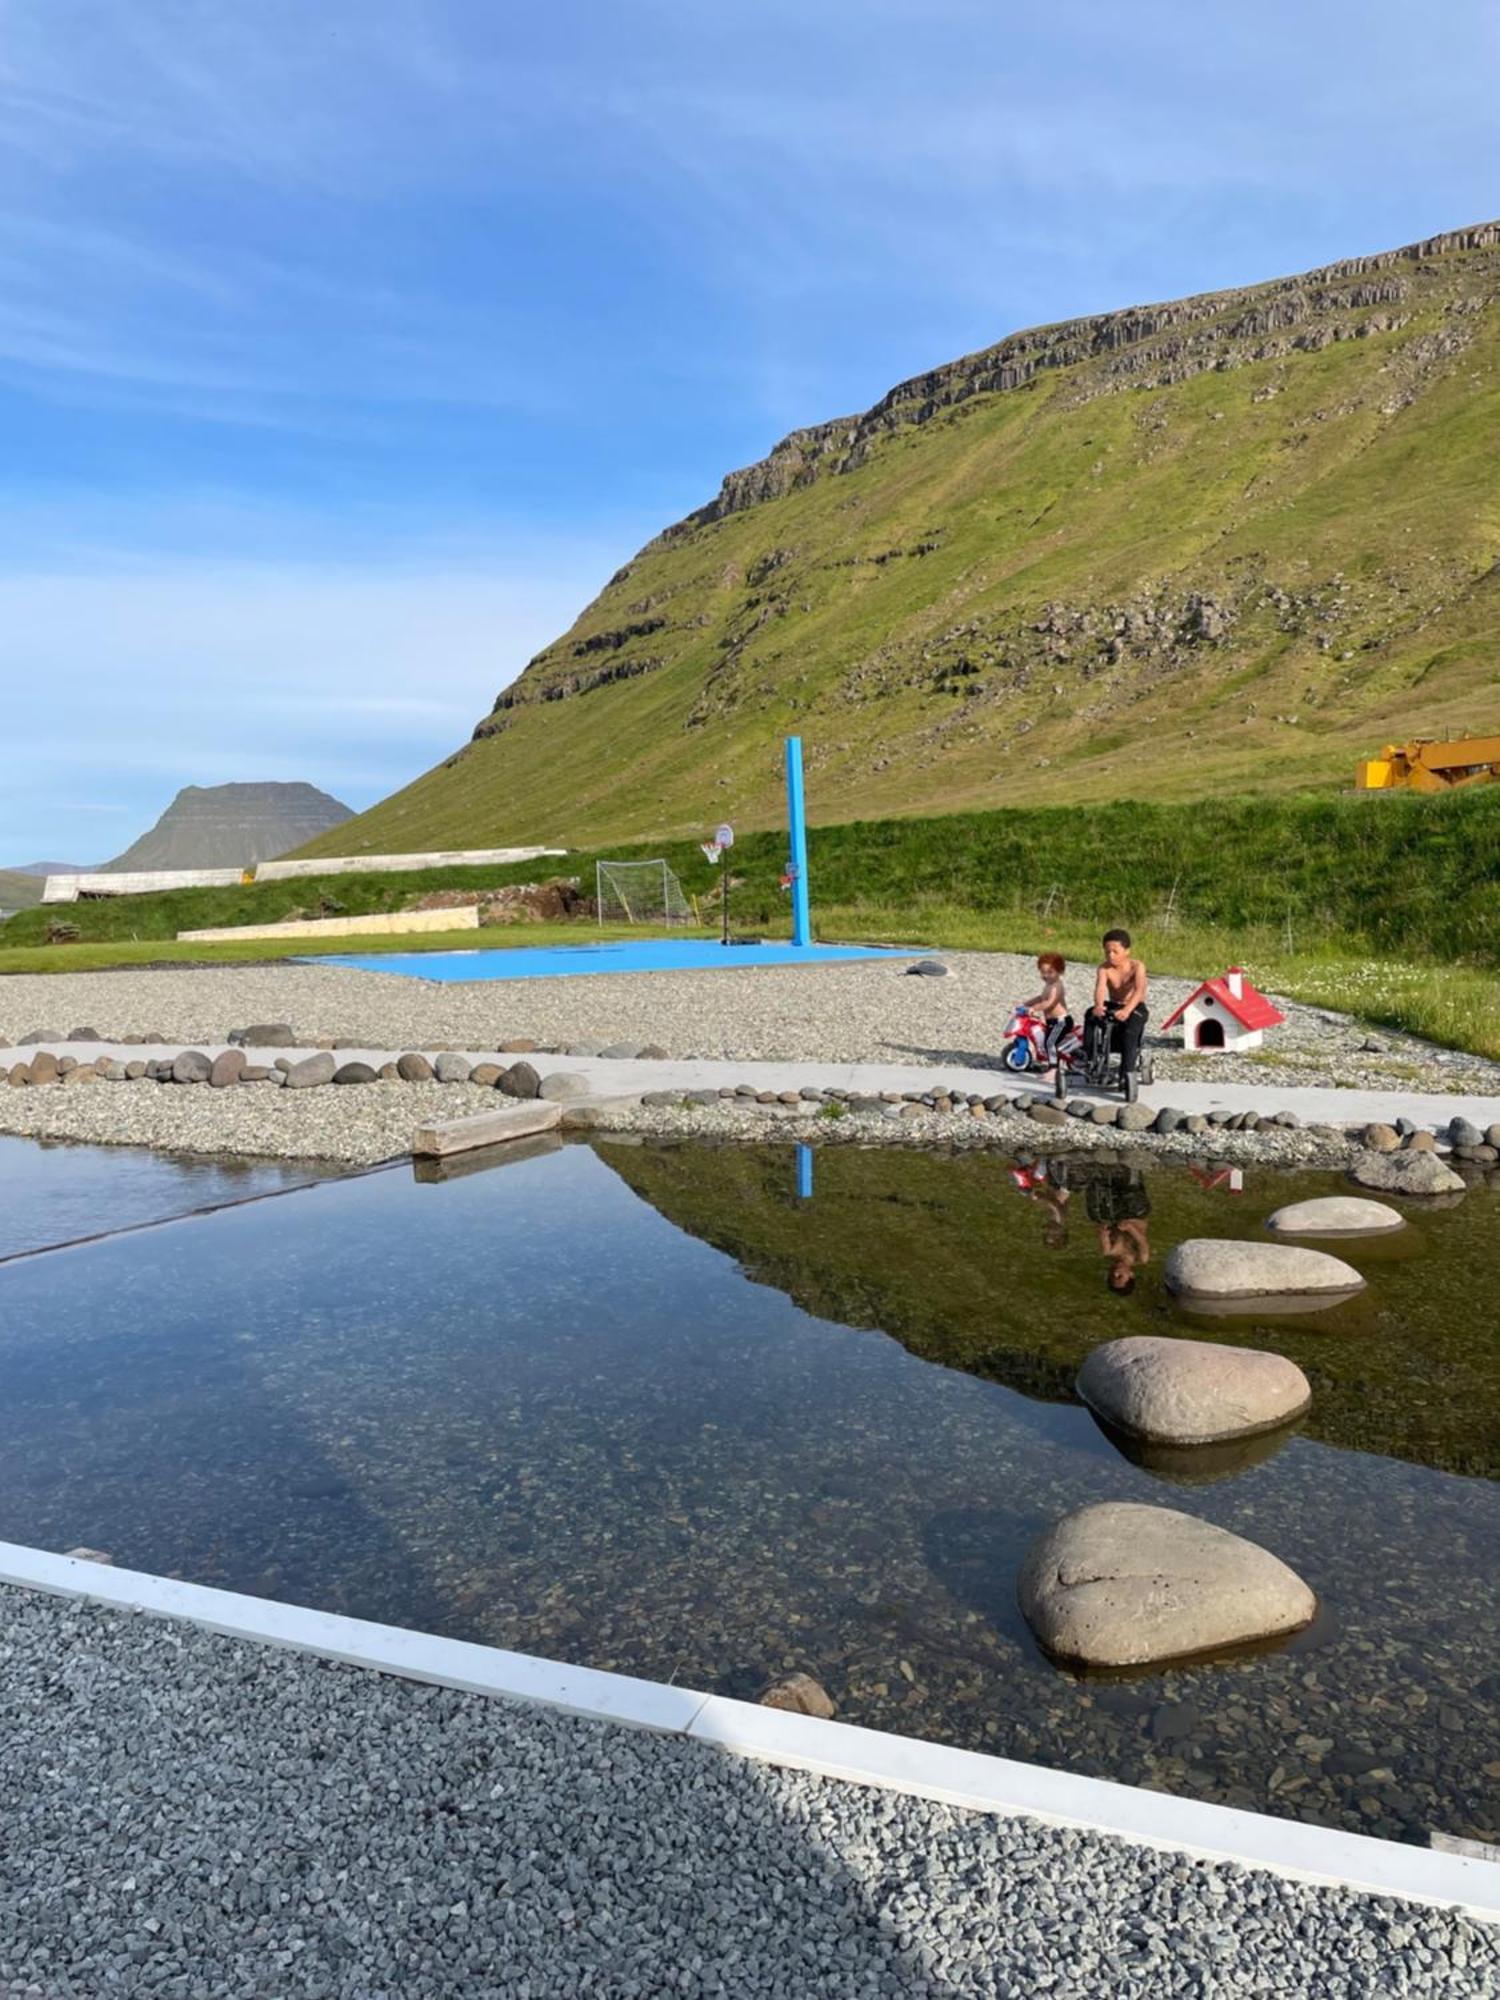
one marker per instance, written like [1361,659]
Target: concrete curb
[838,1750]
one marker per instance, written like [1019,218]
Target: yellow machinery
[1425,766]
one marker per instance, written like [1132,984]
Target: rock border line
[970,1779]
[522,1069]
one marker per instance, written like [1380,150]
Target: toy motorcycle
[1025,1047]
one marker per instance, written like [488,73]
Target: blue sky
[346,346]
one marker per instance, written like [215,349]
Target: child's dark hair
[1118,937]
[1051,961]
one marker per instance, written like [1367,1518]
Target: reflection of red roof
[1250,1008]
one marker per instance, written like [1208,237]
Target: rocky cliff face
[231,826]
[1141,347]
[1236,539]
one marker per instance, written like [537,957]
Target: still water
[53,1192]
[661,1409]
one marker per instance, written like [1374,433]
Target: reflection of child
[1051,1004]
[1052,1196]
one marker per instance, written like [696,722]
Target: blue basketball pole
[796,817]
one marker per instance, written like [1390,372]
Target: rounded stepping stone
[1125,1585]
[1336,1215]
[1191,1391]
[1209,1267]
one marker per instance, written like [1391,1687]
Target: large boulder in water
[1336,1215]
[1405,1173]
[1191,1391]
[1209,1267]
[1126,1585]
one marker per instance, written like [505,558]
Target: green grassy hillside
[1223,545]
[1375,874]
[18,891]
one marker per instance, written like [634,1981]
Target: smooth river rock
[1405,1173]
[564,1086]
[800,1694]
[1191,1391]
[520,1080]
[1336,1215]
[1125,1585]
[1223,1268]
[311,1072]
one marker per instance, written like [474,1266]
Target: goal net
[639,892]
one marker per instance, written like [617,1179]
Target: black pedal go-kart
[1106,1070]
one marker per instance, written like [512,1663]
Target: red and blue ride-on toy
[1026,1048]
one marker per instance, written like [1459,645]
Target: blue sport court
[626,955]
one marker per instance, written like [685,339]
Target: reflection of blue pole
[804,1173]
[797,832]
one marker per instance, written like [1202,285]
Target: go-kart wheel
[1017,1056]
[1132,1086]
[1062,1082]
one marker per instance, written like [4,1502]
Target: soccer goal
[639,892]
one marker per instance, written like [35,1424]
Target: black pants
[1110,1033]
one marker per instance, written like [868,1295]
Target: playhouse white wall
[1236,1038]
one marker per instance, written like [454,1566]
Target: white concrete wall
[68,888]
[397,923]
[380,864]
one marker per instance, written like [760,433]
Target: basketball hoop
[714,850]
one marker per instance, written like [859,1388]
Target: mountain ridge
[1025,573]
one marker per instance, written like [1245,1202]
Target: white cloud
[354,677]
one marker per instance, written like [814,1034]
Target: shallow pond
[663,1409]
[56,1192]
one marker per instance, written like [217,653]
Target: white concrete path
[1313,1105]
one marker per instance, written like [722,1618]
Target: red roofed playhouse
[1225,1013]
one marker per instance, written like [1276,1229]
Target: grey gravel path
[355,1127]
[861,1011]
[191,1816]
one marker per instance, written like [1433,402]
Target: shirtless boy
[1119,1002]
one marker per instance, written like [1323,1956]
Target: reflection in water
[1197,1464]
[543,1407]
[52,1191]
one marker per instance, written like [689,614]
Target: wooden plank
[488,1128]
[484,1159]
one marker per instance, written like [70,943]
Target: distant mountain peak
[232,826]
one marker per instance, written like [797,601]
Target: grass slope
[18,891]
[1232,546]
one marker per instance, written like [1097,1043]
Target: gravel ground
[306,1829]
[355,1126]
[856,1012]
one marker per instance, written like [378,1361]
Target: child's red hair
[1051,961]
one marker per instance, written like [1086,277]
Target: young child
[1052,1004]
